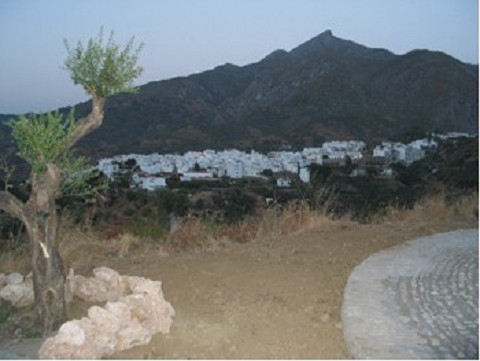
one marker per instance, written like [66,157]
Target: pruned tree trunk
[48,273]
[48,282]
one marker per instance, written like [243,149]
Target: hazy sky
[186,36]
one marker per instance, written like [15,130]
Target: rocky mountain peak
[328,44]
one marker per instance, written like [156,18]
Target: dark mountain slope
[326,88]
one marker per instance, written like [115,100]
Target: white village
[154,168]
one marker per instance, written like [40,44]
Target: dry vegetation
[82,247]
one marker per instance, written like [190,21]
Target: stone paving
[418,300]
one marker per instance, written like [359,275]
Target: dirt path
[264,300]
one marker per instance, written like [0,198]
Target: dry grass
[276,221]
[15,261]
[293,218]
[83,248]
[434,207]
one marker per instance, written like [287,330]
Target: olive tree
[102,69]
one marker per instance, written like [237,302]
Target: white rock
[14,278]
[148,304]
[106,274]
[140,285]
[107,285]
[90,289]
[20,295]
[133,335]
[105,327]
[120,325]
[76,341]
[121,311]
[71,333]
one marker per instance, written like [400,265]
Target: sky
[182,37]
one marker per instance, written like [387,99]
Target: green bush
[146,229]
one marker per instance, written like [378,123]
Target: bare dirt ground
[272,299]
[278,299]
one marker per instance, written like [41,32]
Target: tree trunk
[48,287]
[48,272]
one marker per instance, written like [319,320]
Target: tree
[44,141]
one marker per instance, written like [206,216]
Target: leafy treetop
[103,69]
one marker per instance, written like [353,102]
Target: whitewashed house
[152,183]
[423,144]
[413,154]
[235,169]
[107,167]
[304,174]
[188,176]
[148,182]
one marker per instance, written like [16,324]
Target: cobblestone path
[418,300]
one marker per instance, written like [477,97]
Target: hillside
[327,88]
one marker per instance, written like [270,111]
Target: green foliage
[104,69]
[7,310]
[79,179]
[40,139]
[31,332]
[146,228]
[236,204]
[171,202]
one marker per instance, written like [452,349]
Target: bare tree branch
[87,124]
[12,205]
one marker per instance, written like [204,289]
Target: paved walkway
[25,349]
[418,300]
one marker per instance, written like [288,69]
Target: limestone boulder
[121,311]
[148,306]
[73,341]
[19,294]
[106,285]
[14,279]
[133,335]
[90,289]
[107,326]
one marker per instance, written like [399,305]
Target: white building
[149,183]
[107,167]
[304,174]
[423,143]
[413,154]
[188,176]
[235,169]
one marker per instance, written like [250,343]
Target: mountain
[327,88]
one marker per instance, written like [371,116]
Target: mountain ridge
[326,88]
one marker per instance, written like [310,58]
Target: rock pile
[16,289]
[135,310]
